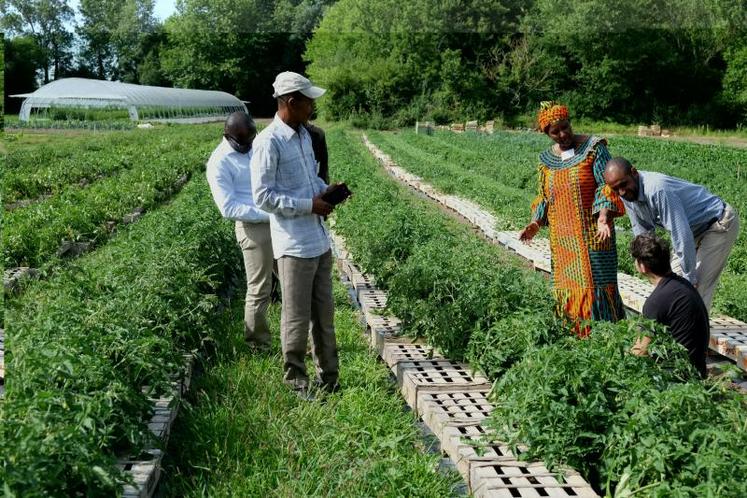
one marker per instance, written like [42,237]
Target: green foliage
[561,400]
[237,46]
[637,425]
[685,441]
[143,174]
[445,284]
[407,60]
[638,60]
[83,343]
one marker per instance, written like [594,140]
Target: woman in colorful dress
[575,203]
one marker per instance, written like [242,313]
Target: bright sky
[162,8]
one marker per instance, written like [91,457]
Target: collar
[230,150]
[284,130]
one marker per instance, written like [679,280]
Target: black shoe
[259,349]
[327,387]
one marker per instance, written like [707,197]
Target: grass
[243,433]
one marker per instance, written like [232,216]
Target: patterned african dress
[584,270]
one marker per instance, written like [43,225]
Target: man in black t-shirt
[319,145]
[674,302]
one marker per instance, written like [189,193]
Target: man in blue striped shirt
[286,185]
[702,226]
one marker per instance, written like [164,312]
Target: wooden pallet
[440,410]
[436,375]
[146,469]
[395,353]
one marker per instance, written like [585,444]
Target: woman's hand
[529,232]
[604,228]
[604,225]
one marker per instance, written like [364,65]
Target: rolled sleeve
[674,219]
[604,197]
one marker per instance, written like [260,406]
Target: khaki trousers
[308,305]
[256,246]
[712,253]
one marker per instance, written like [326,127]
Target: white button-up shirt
[284,181]
[230,183]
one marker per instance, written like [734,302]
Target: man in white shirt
[230,183]
[285,184]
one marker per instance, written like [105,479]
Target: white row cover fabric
[83,92]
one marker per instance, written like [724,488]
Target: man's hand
[640,348]
[529,232]
[321,207]
[604,228]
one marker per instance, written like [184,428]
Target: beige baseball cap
[289,82]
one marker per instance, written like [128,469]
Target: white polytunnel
[139,101]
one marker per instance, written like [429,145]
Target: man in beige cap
[285,184]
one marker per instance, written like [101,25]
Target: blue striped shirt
[684,209]
[284,181]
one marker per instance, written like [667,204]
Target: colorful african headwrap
[550,113]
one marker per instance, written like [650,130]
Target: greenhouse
[81,99]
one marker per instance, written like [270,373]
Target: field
[102,331]
[499,172]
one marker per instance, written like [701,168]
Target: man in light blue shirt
[286,185]
[702,226]
[230,184]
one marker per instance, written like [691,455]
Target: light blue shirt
[284,181]
[230,183]
[683,208]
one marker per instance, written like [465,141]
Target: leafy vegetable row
[35,168]
[33,235]
[584,403]
[83,344]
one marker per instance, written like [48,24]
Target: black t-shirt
[677,304]
[319,145]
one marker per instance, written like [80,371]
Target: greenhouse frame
[81,97]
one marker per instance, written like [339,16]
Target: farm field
[78,190]
[578,403]
[499,172]
[83,342]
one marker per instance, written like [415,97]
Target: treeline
[671,61]
[389,62]
[236,46]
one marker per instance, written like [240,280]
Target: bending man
[703,227]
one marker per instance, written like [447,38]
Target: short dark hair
[653,252]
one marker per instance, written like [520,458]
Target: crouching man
[674,302]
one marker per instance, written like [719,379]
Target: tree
[23,59]
[412,59]
[45,21]
[112,32]
[237,46]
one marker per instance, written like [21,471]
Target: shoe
[305,394]
[326,387]
[259,349]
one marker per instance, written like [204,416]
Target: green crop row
[33,234]
[500,173]
[36,168]
[82,345]
[574,402]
